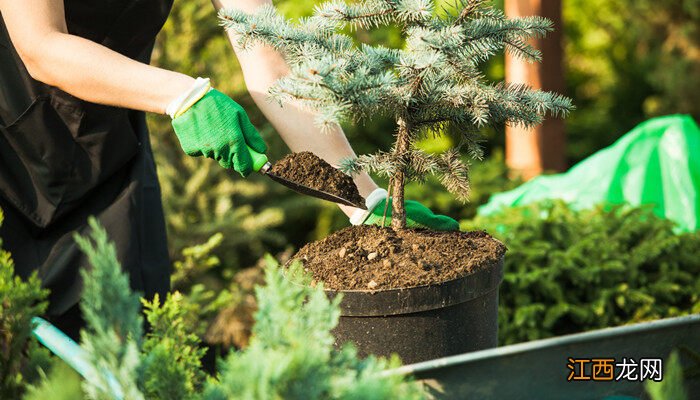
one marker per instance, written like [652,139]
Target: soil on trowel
[307,169]
[372,258]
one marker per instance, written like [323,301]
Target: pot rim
[395,301]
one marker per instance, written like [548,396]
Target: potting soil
[309,170]
[374,258]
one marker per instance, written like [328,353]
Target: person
[75,82]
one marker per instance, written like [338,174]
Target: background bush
[570,271]
[625,62]
[19,302]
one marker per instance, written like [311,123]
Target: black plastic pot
[426,322]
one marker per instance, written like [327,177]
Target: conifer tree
[429,87]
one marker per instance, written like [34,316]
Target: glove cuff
[371,201]
[182,103]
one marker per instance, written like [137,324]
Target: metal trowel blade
[305,190]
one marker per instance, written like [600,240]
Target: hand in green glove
[219,128]
[417,215]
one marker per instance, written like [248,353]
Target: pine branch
[327,87]
[518,104]
[291,354]
[421,165]
[454,174]
[373,13]
[469,7]
[267,26]
[518,48]
[362,15]
[382,163]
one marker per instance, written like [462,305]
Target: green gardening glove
[417,215]
[219,128]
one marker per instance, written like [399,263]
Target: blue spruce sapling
[431,85]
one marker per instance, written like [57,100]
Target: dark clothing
[63,159]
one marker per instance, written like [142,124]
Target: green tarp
[657,163]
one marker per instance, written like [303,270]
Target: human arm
[83,68]
[207,122]
[262,66]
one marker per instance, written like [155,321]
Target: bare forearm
[94,73]
[83,68]
[262,66]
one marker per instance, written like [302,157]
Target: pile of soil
[307,169]
[374,258]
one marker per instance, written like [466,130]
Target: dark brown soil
[307,169]
[373,258]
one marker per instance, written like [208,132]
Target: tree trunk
[398,211]
[530,152]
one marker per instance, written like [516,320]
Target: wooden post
[530,152]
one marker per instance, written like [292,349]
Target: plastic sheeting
[656,163]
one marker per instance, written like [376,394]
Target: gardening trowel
[262,165]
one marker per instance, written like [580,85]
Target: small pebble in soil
[371,256]
[342,251]
[372,284]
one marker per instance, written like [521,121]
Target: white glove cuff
[186,100]
[371,201]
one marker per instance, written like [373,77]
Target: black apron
[63,159]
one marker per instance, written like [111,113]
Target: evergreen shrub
[19,302]
[290,356]
[569,271]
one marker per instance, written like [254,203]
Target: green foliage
[114,327]
[202,301]
[671,388]
[196,259]
[164,365]
[487,176]
[19,302]
[628,61]
[62,383]
[291,354]
[569,271]
[170,366]
[432,84]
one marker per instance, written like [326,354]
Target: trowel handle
[259,159]
[62,346]
[72,354]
